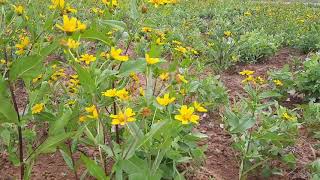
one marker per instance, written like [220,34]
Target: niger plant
[81,84]
[261,128]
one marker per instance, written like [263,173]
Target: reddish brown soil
[221,162]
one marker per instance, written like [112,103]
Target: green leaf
[59,124]
[96,34]
[31,66]
[38,94]
[67,159]
[94,169]
[25,66]
[7,111]
[239,123]
[85,78]
[114,24]
[132,66]
[51,143]
[134,14]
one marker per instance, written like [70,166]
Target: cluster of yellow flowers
[157,3]
[18,9]
[37,108]
[111,3]
[87,58]
[277,82]
[60,73]
[70,43]
[178,47]
[92,114]
[227,34]
[73,84]
[36,79]
[122,94]
[123,117]
[250,78]
[288,117]
[61,5]
[22,46]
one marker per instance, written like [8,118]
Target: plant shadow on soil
[221,161]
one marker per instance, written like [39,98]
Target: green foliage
[257,44]
[261,130]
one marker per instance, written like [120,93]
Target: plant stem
[244,157]
[19,119]
[19,132]
[115,112]
[73,162]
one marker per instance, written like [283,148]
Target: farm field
[159,89]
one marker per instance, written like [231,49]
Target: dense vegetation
[126,79]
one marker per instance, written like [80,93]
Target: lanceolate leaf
[52,142]
[29,66]
[94,169]
[7,111]
[132,66]
[85,78]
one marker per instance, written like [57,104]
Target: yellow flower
[146,29]
[249,79]
[198,107]
[113,3]
[94,112]
[164,76]
[246,72]
[278,82]
[181,78]
[288,117]
[181,49]
[123,118]
[157,2]
[176,42]
[2,61]
[115,54]
[70,9]
[195,52]
[24,42]
[123,94]
[57,74]
[71,102]
[134,76]
[38,108]
[69,25]
[158,41]
[72,44]
[227,33]
[82,119]
[18,9]
[57,4]
[151,60]
[141,91]
[186,115]
[81,26]
[166,100]
[87,58]
[247,13]
[105,55]
[37,78]
[260,80]
[110,93]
